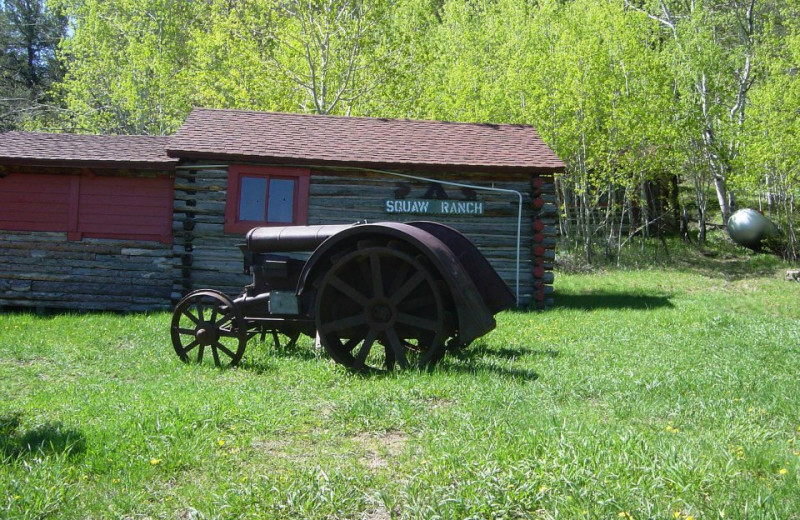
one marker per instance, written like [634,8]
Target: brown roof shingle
[129,151]
[360,141]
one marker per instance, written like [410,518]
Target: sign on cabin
[434,202]
[435,207]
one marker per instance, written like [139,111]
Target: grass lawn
[670,393]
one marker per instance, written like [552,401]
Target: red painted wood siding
[125,207]
[88,206]
[35,202]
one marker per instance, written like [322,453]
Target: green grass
[669,393]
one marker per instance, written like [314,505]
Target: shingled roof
[359,141]
[117,151]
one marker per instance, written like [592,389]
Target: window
[265,196]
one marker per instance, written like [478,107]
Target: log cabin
[127,223]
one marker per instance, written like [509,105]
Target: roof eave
[395,165]
[80,163]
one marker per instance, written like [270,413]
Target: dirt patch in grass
[278,448]
[438,402]
[378,450]
[380,513]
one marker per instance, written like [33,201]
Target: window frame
[233,200]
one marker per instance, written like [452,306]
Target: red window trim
[235,173]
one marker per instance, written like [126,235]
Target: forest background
[669,114]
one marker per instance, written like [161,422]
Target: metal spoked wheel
[206,321]
[379,295]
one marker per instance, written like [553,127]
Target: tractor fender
[495,292]
[474,317]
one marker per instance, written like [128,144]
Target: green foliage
[643,392]
[631,95]
[29,36]
[127,64]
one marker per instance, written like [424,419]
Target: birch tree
[713,48]
[322,48]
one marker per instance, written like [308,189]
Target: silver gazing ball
[748,227]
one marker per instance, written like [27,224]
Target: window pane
[252,198]
[281,200]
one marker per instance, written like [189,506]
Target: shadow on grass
[729,266]
[481,349]
[48,439]
[610,300]
[478,366]
[473,360]
[262,357]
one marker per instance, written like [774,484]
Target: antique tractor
[377,296]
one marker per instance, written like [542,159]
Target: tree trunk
[722,197]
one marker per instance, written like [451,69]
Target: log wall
[206,257]
[46,270]
[59,254]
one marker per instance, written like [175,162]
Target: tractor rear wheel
[380,306]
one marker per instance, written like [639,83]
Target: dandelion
[221,442]
[115,481]
[689,517]
[676,514]
[155,462]
[783,471]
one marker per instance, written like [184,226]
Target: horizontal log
[75,246]
[44,255]
[198,228]
[100,299]
[185,195]
[184,174]
[549,209]
[106,277]
[66,265]
[478,178]
[202,207]
[31,236]
[180,220]
[93,289]
[355,188]
[8,284]
[201,184]
[58,241]
[547,278]
[80,302]
[112,264]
